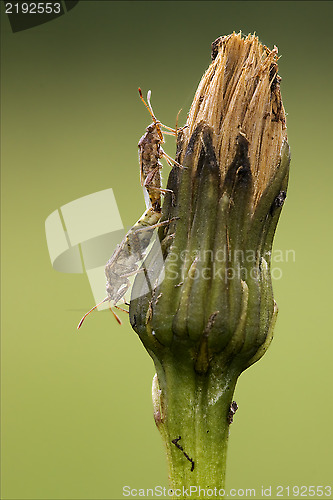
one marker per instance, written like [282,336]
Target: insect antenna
[84,317]
[172,130]
[148,106]
[149,103]
[151,112]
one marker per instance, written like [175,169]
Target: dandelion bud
[208,312]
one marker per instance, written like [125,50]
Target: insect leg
[133,273]
[170,160]
[168,133]
[121,309]
[159,224]
[151,176]
[172,130]
[164,191]
[115,315]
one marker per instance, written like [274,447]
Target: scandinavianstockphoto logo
[187,492]
[227,265]
[80,240]
[263,491]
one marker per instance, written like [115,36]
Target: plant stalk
[192,414]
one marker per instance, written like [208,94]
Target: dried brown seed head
[240,93]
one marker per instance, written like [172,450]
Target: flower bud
[215,300]
[203,304]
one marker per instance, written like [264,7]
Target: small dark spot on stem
[179,284]
[232,411]
[278,202]
[175,442]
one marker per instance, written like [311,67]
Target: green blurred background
[76,408]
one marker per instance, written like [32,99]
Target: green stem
[193,420]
